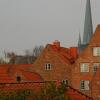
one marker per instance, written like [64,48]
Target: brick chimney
[74,52]
[56,43]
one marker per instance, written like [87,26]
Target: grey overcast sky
[26,23]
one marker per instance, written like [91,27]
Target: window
[65,82]
[84,85]
[96,51]
[96,66]
[18,78]
[47,66]
[84,67]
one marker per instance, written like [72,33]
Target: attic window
[96,51]
[47,66]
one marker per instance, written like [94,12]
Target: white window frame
[84,67]
[96,51]
[47,66]
[84,84]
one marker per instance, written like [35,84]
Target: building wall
[96,86]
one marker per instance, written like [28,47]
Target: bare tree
[2,61]
[11,56]
[37,50]
[28,58]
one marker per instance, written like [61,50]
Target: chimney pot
[56,43]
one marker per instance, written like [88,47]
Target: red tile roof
[9,72]
[21,86]
[64,53]
[31,76]
[76,95]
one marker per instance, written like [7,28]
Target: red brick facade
[66,66]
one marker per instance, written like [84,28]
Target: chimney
[74,52]
[56,43]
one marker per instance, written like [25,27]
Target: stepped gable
[95,40]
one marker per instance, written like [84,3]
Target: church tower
[88,28]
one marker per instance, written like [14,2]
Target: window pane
[95,66]
[47,66]
[84,67]
[96,51]
[84,85]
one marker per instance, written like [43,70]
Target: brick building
[79,67]
[57,63]
[54,62]
[86,65]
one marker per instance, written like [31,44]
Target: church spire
[88,28]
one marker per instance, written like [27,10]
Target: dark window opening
[65,82]
[18,78]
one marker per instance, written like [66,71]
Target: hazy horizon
[27,23]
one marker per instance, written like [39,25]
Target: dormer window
[47,66]
[18,78]
[96,51]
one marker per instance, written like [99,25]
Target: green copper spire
[88,28]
